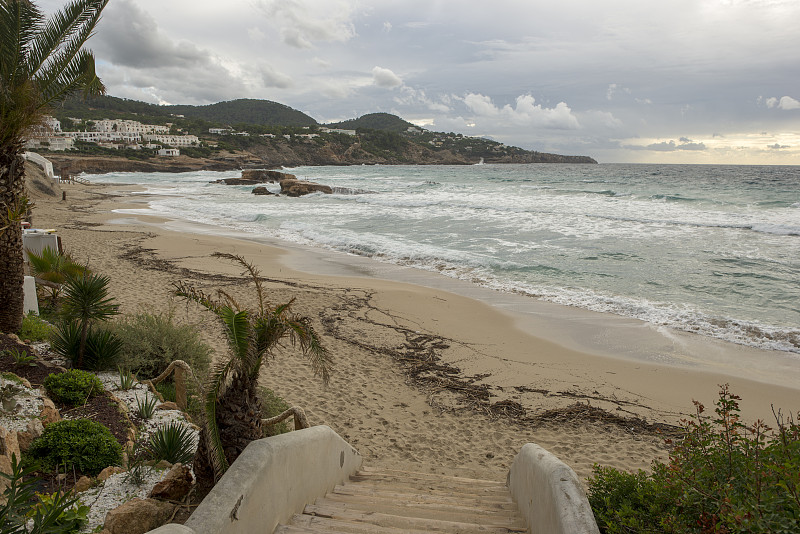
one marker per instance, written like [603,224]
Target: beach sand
[430,376]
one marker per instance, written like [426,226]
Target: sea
[708,249]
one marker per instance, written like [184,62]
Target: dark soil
[34,373]
[101,409]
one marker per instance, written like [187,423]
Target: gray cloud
[618,80]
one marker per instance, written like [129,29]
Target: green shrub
[69,520]
[102,346]
[73,387]
[34,328]
[150,342]
[723,476]
[84,444]
[173,442]
[167,390]
[18,514]
[272,405]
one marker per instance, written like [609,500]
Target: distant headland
[108,134]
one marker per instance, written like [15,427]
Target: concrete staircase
[394,502]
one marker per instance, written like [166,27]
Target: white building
[220,131]
[169,152]
[337,130]
[128,126]
[173,140]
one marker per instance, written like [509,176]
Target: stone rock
[261,190]
[8,447]
[83,484]
[138,516]
[26,437]
[108,471]
[169,405]
[49,412]
[175,485]
[298,188]
[256,176]
[162,464]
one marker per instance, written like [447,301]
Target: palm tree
[54,267]
[231,403]
[42,62]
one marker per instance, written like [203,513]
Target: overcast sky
[692,81]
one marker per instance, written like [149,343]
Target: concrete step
[499,502]
[412,523]
[448,512]
[387,501]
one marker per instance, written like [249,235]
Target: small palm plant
[55,267]
[86,301]
[231,402]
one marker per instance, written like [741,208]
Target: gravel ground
[119,488]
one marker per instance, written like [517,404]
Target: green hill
[374,121]
[246,111]
[242,111]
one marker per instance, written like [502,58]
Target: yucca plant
[55,267]
[86,301]
[127,380]
[173,442]
[231,404]
[146,406]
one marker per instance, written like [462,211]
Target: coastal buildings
[108,133]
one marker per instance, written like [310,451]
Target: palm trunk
[239,423]
[12,275]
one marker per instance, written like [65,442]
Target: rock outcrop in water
[256,176]
[296,188]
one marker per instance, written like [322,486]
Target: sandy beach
[431,373]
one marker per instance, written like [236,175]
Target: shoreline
[601,334]
[380,330]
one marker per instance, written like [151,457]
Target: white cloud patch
[385,78]
[526,112]
[614,88]
[670,146]
[784,102]
[304,22]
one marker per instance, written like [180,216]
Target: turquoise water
[708,249]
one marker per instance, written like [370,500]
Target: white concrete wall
[31,302]
[549,494]
[273,479]
[41,161]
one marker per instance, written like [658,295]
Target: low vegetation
[88,446]
[73,387]
[722,477]
[151,341]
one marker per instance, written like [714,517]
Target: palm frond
[189,292]
[215,387]
[228,298]
[19,24]
[237,329]
[251,269]
[311,346]
[62,37]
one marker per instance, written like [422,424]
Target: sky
[679,81]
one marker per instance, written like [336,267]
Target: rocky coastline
[277,156]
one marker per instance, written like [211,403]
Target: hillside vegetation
[273,134]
